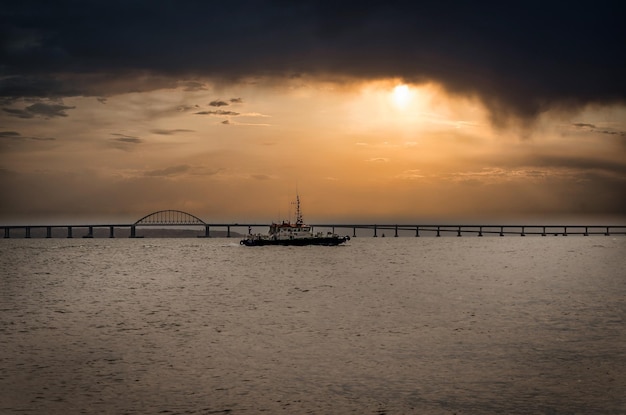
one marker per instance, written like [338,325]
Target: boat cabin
[288,230]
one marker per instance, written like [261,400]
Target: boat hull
[323,241]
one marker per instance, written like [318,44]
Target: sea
[408,325]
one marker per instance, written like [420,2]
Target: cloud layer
[520,59]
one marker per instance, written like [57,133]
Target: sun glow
[402,96]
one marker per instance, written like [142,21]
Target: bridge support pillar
[438,232]
[458,233]
[480,231]
[228,231]
[375,235]
[69,232]
[607,232]
[523,234]
[564,230]
[543,233]
[354,232]
[396,232]
[48,231]
[586,231]
[7,232]
[417,231]
[133,231]
[111,231]
[501,230]
[207,231]
[89,233]
[27,232]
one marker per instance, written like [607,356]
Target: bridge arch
[170,217]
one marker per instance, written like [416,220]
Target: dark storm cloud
[520,59]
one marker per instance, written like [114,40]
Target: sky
[372,111]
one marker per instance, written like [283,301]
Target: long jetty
[134,230]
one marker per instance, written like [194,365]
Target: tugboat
[296,234]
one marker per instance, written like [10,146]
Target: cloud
[583,125]
[169,171]
[14,135]
[43,138]
[40,109]
[378,160]
[253,114]
[184,108]
[413,174]
[579,163]
[218,103]
[127,139]
[218,112]
[48,110]
[236,101]
[14,112]
[194,86]
[519,63]
[593,128]
[10,134]
[261,177]
[170,132]
[229,122]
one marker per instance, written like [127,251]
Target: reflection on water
[395,325]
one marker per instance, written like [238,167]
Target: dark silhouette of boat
[294,234]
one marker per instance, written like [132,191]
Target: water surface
[380,326]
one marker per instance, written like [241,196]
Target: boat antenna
[299,220]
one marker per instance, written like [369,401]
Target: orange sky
[391,111]
[357,151]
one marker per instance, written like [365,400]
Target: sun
[402,96]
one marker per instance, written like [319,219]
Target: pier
[175,219]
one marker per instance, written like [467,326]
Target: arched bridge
[170,217]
